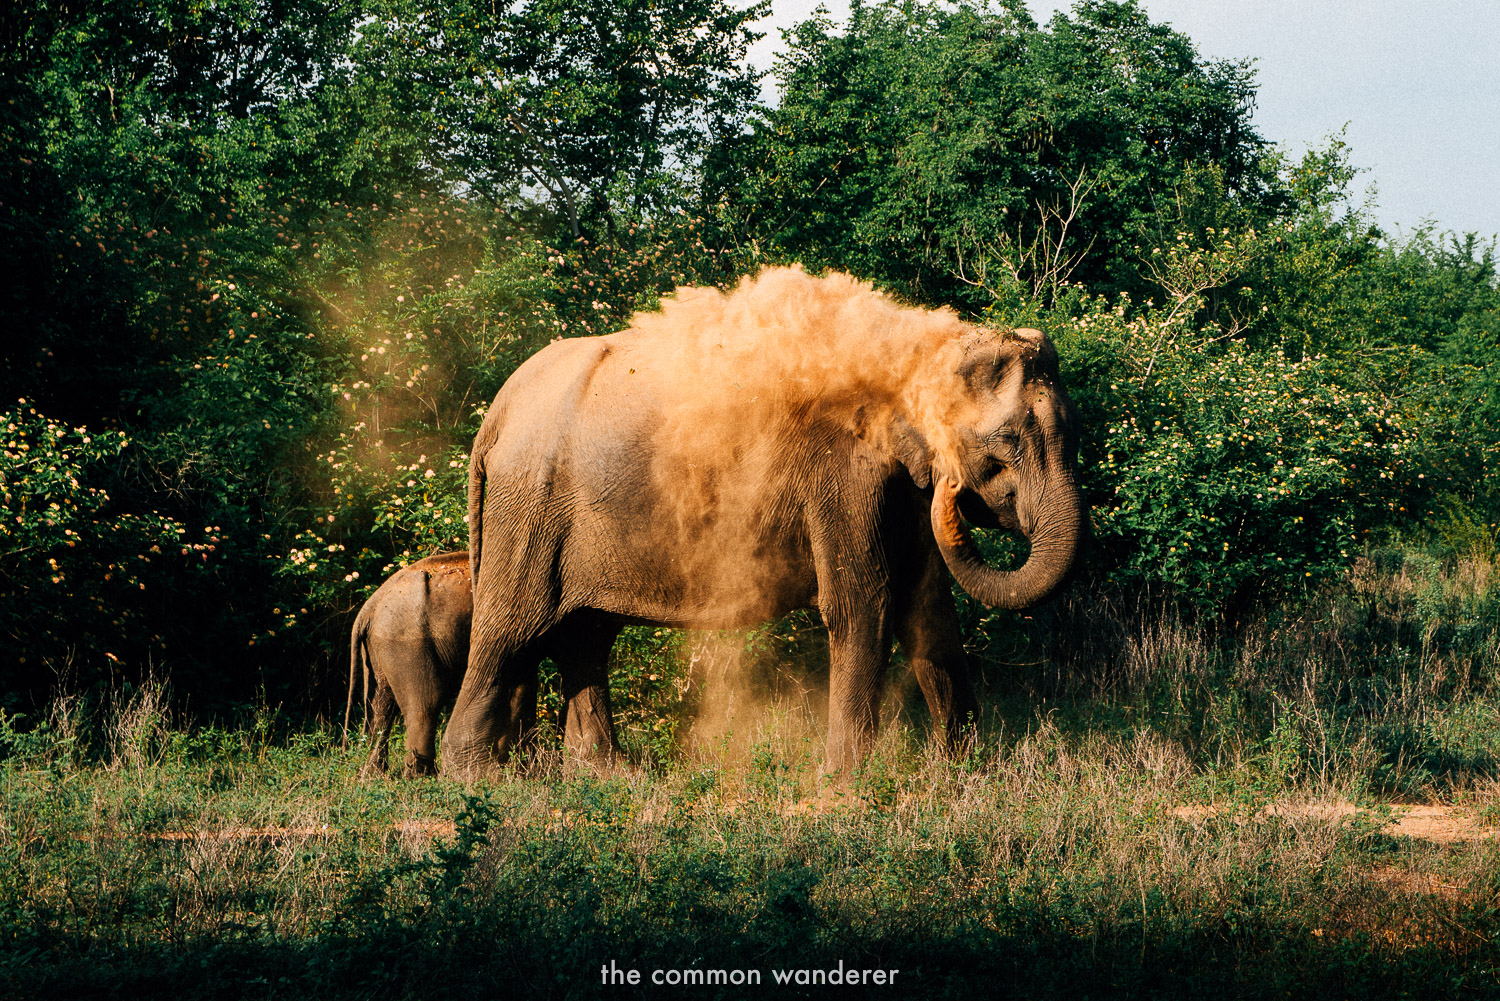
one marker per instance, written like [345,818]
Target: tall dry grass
[1169,807]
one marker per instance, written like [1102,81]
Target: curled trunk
[1054,545]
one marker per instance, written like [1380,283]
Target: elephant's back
[549,381]
[564,405]
[450,602]
[444,564]
[421,611]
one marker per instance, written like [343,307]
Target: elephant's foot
[845,753]
[956,740]
[373,769]
[419,765]
[469,762]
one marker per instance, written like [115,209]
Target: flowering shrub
[73,569]
[1219,469]
[383,516]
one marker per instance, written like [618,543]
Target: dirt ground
[1441,824]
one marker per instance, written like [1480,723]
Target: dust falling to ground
[750,386]
[750,700]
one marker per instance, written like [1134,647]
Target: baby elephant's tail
[359,664]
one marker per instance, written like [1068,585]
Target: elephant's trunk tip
[1053,550]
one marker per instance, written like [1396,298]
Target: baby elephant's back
[429,603]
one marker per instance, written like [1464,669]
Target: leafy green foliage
[604,107]
[1274,411]
[170,157]
[959,154]
[1222,470]
[66,548]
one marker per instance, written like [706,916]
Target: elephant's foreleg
[582,655]
[378,726]
[858,642]
[927,627]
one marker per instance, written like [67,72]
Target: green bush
[73,566]
[1219,469]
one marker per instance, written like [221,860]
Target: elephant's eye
[992,466]
[1004,437]
[1004,444]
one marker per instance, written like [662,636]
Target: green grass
[1142,814]
[1049,864]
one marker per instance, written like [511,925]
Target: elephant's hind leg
[496,708]
[378,726]
[581,650]
[422,699]
[421,742]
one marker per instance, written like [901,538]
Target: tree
[602,108]
[939,149]
[166,156]
[250,235]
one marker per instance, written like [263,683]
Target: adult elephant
[799,442]
[412,638]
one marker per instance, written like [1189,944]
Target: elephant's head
[1009,462]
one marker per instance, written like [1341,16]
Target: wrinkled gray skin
[566,520]
[412,637]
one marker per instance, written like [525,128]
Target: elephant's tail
[489,431]
[359,664]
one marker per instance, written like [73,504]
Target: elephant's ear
[912,450]
[984,364]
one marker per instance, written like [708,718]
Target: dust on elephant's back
[691,518]
[707,426]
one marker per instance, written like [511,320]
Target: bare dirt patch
[426,828]
[1441,824]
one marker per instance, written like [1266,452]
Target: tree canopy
[269,259]
[958,152]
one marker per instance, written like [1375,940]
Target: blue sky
[1416,84]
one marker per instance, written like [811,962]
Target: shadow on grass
[511,909]
[528,951]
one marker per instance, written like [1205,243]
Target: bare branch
[1042,265]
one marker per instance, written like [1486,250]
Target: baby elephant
[413,637]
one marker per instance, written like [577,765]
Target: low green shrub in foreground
[1062,857]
